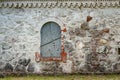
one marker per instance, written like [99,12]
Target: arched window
[50,47]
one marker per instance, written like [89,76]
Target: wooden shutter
[51,40]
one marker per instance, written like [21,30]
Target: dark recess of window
[119,51]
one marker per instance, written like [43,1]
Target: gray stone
[20,68]
[116,67]
[68,46]
[31,67]
[52,67]
[101,68]
[85,26]
[11,38]
[0,57]
[3,30]
[8,67]
[24,61]
[101,49]
[88,67]
[88,58]
[2,75]
[22,47]
[82,33]
[6,46]
[71,32]
[2,64]
[8,55]
[77,31]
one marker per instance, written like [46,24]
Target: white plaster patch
[38,68]
[67,67]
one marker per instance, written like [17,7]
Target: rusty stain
[64,56]
[63,53]
[106,30]
[64,29]
[50,59]
[37,56]
[89,18]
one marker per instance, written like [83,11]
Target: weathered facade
[60,36]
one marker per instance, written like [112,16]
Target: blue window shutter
[51,40]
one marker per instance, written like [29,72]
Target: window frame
[63,54]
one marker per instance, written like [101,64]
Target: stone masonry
[91,46]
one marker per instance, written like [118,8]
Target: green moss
[66,77]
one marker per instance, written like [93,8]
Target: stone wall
[89,47]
